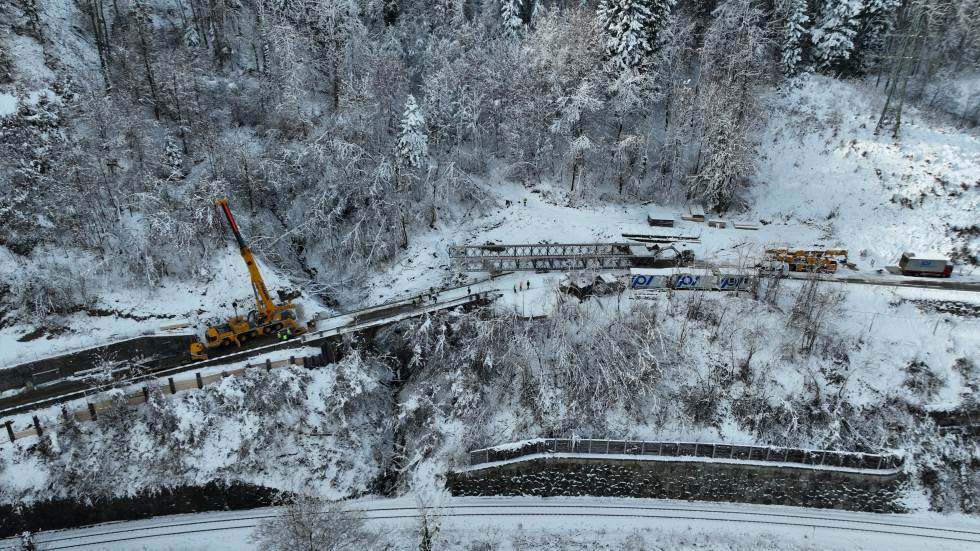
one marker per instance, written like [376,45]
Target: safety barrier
[93,409]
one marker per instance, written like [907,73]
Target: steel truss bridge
[553,256]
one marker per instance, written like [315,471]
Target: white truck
[923,265]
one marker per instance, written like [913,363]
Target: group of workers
[433,296]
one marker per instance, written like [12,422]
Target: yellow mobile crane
[270,316]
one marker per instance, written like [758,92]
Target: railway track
[523,510]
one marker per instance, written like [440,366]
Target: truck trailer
[921,265]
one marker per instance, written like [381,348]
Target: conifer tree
[635,29]
[413,144]
[510,13]
[847,30]
[833,38]
[172,158]
[793,35]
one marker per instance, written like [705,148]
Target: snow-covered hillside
[115,149]
[876,345]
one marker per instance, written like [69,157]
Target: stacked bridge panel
[550,256]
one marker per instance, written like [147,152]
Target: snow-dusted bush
[310,523]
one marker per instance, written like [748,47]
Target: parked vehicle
[808,261]
[912,264]
[647,279]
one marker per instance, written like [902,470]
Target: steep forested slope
[347,128]
[354,135]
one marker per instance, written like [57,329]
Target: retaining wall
[149,351]
[692,480]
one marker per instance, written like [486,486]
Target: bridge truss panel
[545,256]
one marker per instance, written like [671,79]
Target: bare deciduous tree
[309,523]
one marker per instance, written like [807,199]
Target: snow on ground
[8,104]
[822,167]
[818,186]
[814,189]
[536,524]
[143,310]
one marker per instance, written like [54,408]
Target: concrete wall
[684,480]
[156,351]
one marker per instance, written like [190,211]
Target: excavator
[270,315]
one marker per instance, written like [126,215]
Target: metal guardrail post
[173,387]
[10,430]
[37,426]
[200,383]
[91,411]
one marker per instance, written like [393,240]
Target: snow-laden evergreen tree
[172,158]
[413,144]
[635,29]
[833,37]
[877,19]
[793,34]
[734,62]
[537,10]
[510,14]
[847,30]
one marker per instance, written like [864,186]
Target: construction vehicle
[806,261]
[270,316]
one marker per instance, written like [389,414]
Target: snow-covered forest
[348,127]
[356,139]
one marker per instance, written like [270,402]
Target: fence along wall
[548,468]
[815,458]
[136,398]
